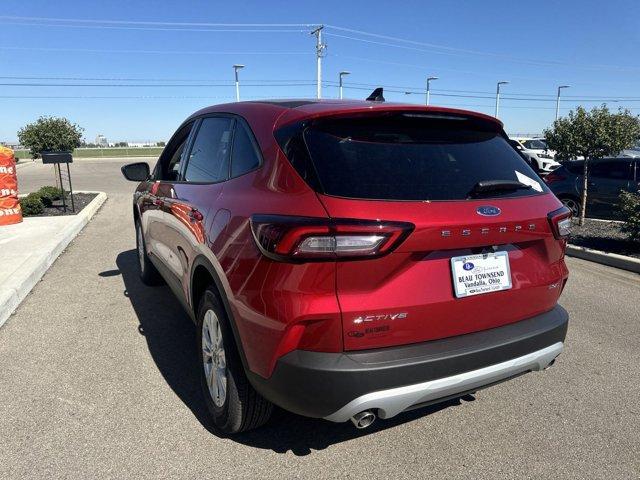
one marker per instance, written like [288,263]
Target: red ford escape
[352,259]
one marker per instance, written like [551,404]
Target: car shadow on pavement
[171,339]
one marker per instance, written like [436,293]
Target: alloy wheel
[572,205]
[214,358]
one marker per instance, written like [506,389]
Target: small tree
[594,134]
[50,133]
[630,209]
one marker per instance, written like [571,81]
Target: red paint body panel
[416,278]
[278,306]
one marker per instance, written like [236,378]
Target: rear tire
[232,402]
[148,272]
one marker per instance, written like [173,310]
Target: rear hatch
[467,193]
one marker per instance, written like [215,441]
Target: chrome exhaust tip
[363,419]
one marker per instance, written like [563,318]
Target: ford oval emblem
[468,266]
[488,211]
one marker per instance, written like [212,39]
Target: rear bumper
[336,386]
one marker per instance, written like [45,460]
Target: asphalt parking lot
[98,380]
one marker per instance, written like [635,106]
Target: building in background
[101,141]
[148,143]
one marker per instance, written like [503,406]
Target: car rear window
[405,156]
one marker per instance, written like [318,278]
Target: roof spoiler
[376,95]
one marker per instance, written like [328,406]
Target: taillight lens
[560,221]
[288,238]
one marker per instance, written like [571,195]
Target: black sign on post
[55,159]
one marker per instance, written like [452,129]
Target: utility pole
[503,82]
[558,99]
[340,75]
[428,88]
[319,54]
[237,67]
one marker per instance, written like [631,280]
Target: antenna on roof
[376,96]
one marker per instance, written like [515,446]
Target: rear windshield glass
[410,157]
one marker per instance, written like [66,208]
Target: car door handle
[195,215]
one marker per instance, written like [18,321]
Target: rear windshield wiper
[495,186]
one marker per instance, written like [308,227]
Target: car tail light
[554,177]
[288,238]
[560,221]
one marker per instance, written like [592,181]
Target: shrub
[31,205]
[50,133]
[49,194]
[630,209]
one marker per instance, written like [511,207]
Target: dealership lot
[97,379]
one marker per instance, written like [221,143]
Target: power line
[392,41]
[154,52]
[136,22]
[445,49]
[231,97]
[150,97]
[138,85]
[527,97]
[439,93]
[431,67]
[422,90]
[160,29]
[155,26]
[115,78]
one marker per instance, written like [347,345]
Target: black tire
[242,408]
[148,272]
[572,204]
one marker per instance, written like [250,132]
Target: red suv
[352,259]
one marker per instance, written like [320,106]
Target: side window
[172,156]
[244,157]
[209,155]
[612,170]
[173,167]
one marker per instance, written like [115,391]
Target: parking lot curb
[14,291]
[611,259]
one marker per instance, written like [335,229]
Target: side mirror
[136,172]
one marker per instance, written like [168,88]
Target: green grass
[105,152]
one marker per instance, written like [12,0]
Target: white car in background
[546,156]
[537,150]
[633,151]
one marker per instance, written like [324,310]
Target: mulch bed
[604,236]
[80,200]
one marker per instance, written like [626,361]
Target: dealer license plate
[477,274]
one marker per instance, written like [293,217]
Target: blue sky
[591,45]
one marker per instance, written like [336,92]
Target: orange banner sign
[10,211]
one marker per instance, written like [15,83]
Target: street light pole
[558,100]
[319,54]
[340,75]
[237,67]
[429,88]
[503,82]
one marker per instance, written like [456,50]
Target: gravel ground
[605,236]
